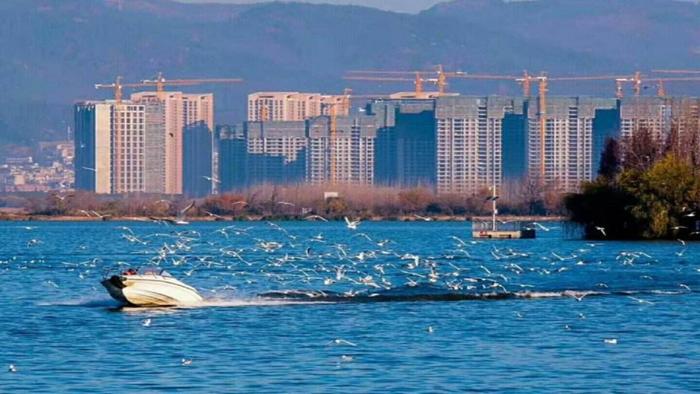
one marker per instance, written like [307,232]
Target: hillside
[54,51]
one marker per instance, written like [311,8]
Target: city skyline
[446,142]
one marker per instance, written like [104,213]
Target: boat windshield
[154,271]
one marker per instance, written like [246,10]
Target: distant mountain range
[53,51]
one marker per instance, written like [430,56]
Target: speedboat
[150,288]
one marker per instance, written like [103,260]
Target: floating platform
[503,230]
[504,234]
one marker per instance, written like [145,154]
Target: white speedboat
[150,288]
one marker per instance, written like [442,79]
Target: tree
[639,204]
[664,192]
[641,150]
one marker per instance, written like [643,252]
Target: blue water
[334,311]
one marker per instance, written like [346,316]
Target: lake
[317,307]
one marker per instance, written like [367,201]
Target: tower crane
[635,80]
[390,76]
[118,87]
[160,82]
[666,71]
[662,81]
[685,76]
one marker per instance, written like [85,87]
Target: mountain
[54,51]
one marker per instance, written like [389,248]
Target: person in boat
[130,271]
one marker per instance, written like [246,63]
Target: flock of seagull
[346,263]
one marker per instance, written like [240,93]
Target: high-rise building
[154,143]
[405,144]
[606,125]
[469,142]
[276,152]
[293,106]
[197,160]
[568,140]
[178,110]
[128,155]
[650,113]
[254,153]
[686,114]
[348,157]
[110,140]
[137,145]
[233,157]
[514,142]
[93,140]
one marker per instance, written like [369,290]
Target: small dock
[522,233]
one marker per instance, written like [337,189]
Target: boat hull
[151,290]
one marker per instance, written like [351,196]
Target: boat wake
[429,293]
[206,303]
[422,293]
[84,302]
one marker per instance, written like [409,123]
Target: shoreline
[257,218]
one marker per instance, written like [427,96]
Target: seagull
[578,298]
[602,230]
[185,362]
[211,179]
[461,243]
[430,329]
[62,198]
[101,216]
[89,169]
[641,301]
[423,218]
[214,216]
[546,229]
[343,342]
[352,225]
[315,217]
[346,359]
[146,323]
[181,215]
[12,368]
[285,203]
[611,341]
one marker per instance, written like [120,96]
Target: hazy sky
[392,5]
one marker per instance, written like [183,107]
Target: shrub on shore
[296,201]
[644,191]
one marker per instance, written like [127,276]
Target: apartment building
[347,157]
[293,106]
